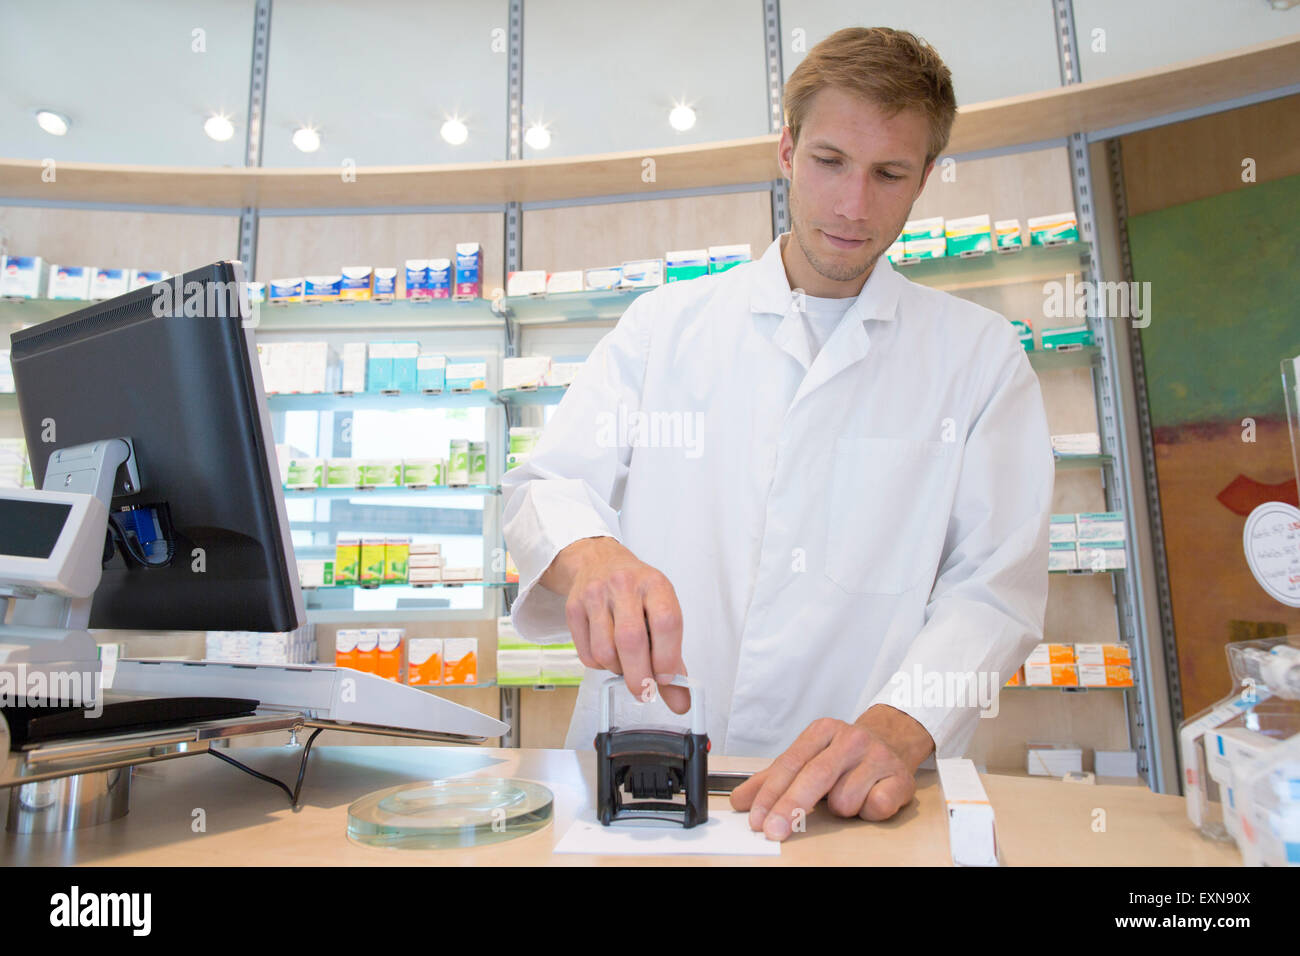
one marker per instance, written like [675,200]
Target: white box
[972,830]
[642,273]
[69,282]
[352,367]
[1047,760]
[602,278]
[22,277]
[1115,763]
[570,281]
[109,283]
[526,282]
[526,371]
[315,359]
[426,547]
[562,373]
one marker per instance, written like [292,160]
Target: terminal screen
[30,529]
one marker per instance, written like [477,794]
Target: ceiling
[378,78]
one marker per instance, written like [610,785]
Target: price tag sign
[1272,544]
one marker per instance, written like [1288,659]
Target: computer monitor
[172,367]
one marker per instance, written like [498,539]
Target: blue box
[437,279]
[405,355]
[379,367]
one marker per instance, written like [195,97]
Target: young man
[805,480]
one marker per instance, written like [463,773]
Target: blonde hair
[891,68]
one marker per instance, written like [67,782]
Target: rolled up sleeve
[572,485]
[987,606]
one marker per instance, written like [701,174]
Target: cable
[302,769]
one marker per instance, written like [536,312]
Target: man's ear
[785,152]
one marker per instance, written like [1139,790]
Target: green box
[342,473]
[304,473]
[423,471]
[478,463]
[373,561]
[380,472]
[397,553]
[1075,336]
[347,560]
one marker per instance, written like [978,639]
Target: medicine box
[469,271]
[722,258]
[526,372]
[643,273]
[23,277]
[109,283]
[972,235]
[285,291]
[438,279]
[417,282]
[405,374]
[916,229]
[562,282]
[385,284]
[459,660]
[431,373]
[325,288]
[466,376]
[602,278]
[1050,230]
[686,264]
[424,661]
[526,282]
[69,282]
[356,283]
[1007,234]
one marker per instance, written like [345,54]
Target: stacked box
[685,264]
[469,271]
[459,660]
[722,258]
[424,661]
[431,373]
[347,560]
[356,283]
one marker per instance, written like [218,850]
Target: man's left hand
[864,769]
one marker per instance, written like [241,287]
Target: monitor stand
[47,654]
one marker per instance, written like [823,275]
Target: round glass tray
[462,812]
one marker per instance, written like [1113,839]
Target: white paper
[723,834]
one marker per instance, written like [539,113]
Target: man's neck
[801,275]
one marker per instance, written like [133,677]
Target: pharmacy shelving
[399,492]
[404,584]
[395,316]
[1027,264]
[1080,462]
[330,401]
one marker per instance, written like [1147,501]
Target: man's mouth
[843,242]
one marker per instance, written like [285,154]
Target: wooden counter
[1040,821]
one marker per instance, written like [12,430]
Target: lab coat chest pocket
[887,513]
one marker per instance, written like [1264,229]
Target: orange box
[424,661]
[388,662]
[367,650]
[1017,679]
[1051,675]
[1051,654]
[460,660]
[1117,655]
[1118,675]
[345,648]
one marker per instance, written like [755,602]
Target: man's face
[853,178]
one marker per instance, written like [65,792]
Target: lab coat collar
[771,294]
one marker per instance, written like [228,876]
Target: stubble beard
[827,270]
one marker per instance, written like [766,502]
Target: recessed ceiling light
[681,118]
[219,127]
[538,136]
[56,124]
[306,139]
[454,131]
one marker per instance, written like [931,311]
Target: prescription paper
[723,834]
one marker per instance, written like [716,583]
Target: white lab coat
[836,531]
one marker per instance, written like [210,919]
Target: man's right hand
[623,615]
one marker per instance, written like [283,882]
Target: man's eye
[889,177]
[826,162]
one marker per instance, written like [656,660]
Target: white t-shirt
[820,316]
